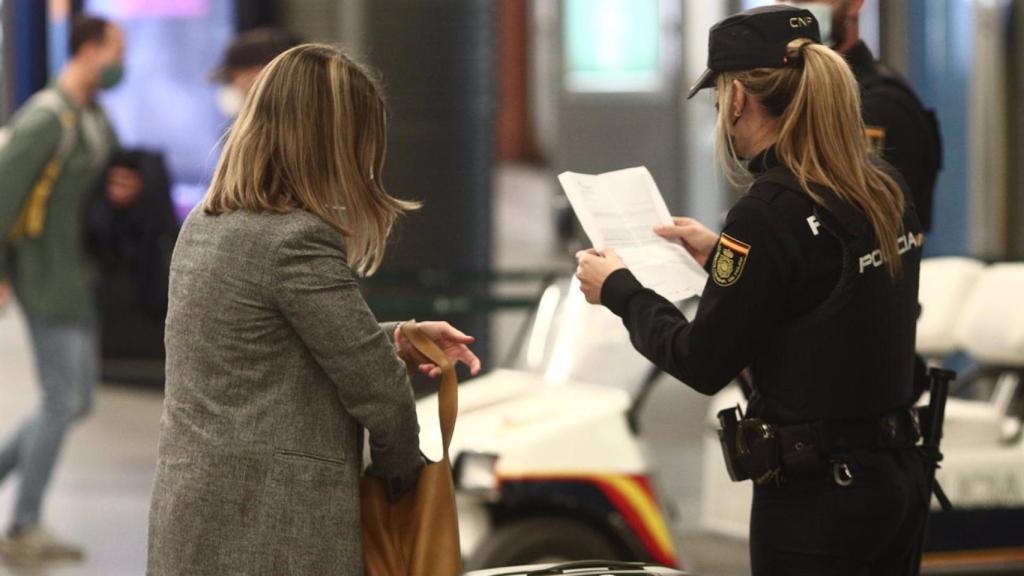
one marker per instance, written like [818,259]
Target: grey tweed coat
[274,366]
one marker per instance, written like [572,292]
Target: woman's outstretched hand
[698,240]
[449,339]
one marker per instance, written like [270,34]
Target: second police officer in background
[901,129]
[813,284]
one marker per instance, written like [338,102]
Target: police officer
[813,284]
[904,132]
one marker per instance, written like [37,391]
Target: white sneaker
[37,546]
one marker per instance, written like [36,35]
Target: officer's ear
[739,99]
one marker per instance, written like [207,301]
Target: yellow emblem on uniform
[876,139]
[724,265]
[730,258]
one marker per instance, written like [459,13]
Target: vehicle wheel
[542,541]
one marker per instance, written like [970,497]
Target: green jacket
[52,273]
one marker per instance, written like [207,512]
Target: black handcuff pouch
[750,447]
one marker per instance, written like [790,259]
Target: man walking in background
[51,156]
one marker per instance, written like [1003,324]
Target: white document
[619,210]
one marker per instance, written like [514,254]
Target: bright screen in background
[613,45]
[166,102]
[153,8]
[58,39]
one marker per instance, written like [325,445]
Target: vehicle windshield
[568,340]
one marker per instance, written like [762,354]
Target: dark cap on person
[756,38]
[256,47]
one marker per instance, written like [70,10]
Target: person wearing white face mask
[901,129]
[243,61]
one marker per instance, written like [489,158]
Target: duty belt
[765,452]
[898,429]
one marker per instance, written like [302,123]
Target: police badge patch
[730,258]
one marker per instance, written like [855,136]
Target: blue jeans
[67,362]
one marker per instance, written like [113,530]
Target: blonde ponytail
[821,137]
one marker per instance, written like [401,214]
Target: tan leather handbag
[419,534]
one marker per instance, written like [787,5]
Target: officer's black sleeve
[905,127]
[739,310]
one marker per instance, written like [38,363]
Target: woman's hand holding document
[620,210]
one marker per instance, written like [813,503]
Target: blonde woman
[813,285]
[275,365]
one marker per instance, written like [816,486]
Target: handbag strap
[448,394]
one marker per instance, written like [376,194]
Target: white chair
[991,331]
[946,284]
[991,323]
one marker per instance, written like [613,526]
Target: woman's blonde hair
[312,136]
[821,137]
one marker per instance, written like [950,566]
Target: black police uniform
[903,130]
[798,292]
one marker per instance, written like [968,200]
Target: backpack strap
[33,215]
[847,216]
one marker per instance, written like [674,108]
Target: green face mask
[111,75]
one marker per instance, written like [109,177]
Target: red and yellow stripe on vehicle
[633,498]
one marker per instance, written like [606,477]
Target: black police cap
[757,38]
